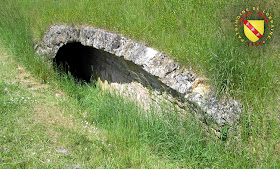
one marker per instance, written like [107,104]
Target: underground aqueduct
[87,52]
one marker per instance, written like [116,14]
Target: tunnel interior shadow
[76,59]
[87,64]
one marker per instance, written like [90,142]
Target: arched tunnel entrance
[87,63]
[84,56]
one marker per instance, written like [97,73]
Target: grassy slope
[36,124]
[38,120]
[195,33]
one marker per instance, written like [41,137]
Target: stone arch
[151,67]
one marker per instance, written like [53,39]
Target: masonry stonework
[155,68]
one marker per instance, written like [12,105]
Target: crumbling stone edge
[169,72]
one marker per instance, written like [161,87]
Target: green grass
[196,33]
[97,129]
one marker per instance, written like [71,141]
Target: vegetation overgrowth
[196,33]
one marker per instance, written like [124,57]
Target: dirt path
[47,121]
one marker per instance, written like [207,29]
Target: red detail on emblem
[254,30]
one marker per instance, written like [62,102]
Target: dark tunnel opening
[86,63]
[76,59]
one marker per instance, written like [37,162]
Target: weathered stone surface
[153,67]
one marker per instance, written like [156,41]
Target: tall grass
[196,33]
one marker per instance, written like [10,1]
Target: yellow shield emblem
[254,29]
